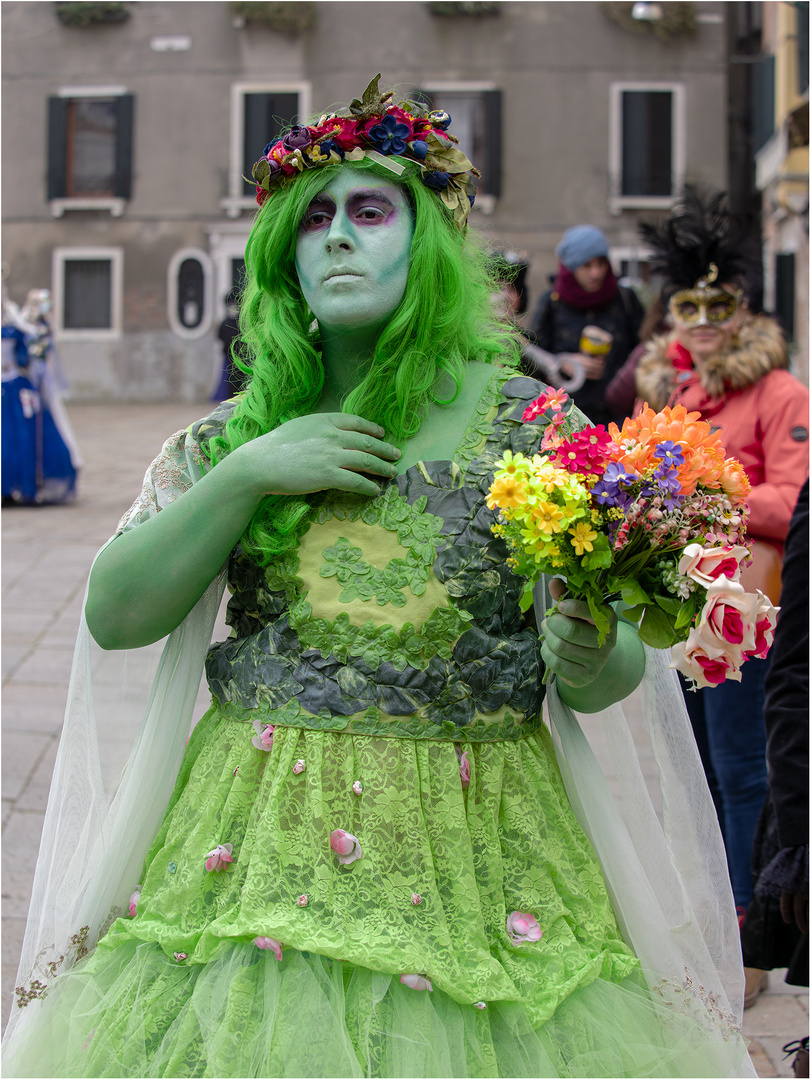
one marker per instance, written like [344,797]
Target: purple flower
[297,138]
[671,452]
[329,146]
[389,136]
[436,180]
[612,487]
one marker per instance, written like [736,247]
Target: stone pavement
[46,556]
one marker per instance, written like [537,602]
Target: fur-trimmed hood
[758,348]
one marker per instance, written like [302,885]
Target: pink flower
[219,858]
[136,896]
[303,900]
[523,927]
[464,769]
[181,956]
[345,845]
[416,898]
[696,664]
[728,618]
[263,740]
[417,982]
[766,620]
[479,1004]
[706,565]
[357,787]
[549,399]
[299,767]
[269,943]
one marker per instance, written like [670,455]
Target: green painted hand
[590,676]
[317,452]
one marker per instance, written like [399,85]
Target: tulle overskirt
[133,1011]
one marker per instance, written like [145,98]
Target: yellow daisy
[582,536]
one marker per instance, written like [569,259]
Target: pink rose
[303,900]
[219,858]
[766,620]
[136,896]
[727,621]
[706,565]
[263,740]
[181,956]
[695,663]
[299,767]
[416,898]
[523,927]
[464,769]
[357,787]
[345,845]
[417,982]
[269,943]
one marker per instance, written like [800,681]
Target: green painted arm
[145,583]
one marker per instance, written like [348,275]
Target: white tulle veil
[129,715]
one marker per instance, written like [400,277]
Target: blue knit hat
[580,244]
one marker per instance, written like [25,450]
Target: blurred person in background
[730,366]
[620,394]
[40,458]
[232,378]
[509,305]
[775,930]
[589,314]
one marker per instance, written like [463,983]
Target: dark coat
[557,326]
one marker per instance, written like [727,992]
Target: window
[763,102]
[190,292]
[259,112]
[475,111]
[87,284]
[646,166]
[90,149]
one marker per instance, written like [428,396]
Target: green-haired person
[373,857]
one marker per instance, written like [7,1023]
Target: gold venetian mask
[706,304]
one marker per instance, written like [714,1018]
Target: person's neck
[343,355]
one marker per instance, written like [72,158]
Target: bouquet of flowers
[652,514]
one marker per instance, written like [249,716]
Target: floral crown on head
[388,134]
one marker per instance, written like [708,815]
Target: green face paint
[353,251]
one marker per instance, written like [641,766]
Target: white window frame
[484,204]
[185,332]
[235,202]
[62,255]
[107,202]
[618,202]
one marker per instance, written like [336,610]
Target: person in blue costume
[371,858]
[39,457]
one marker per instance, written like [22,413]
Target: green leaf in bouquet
[525,603]
[686,613]
[601,615]
[631,591]
[669,604]
[656,628]
[634,614]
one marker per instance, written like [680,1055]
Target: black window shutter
[785,292]
[492,142]
[57,147]
[123,146]
[763,102]
[265,117]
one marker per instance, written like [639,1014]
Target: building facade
[126,143]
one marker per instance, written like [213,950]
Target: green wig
[443,320]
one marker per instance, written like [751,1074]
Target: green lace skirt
[287,961]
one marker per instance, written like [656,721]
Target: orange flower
[704,457]
[734,481]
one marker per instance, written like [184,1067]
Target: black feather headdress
[701,231]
